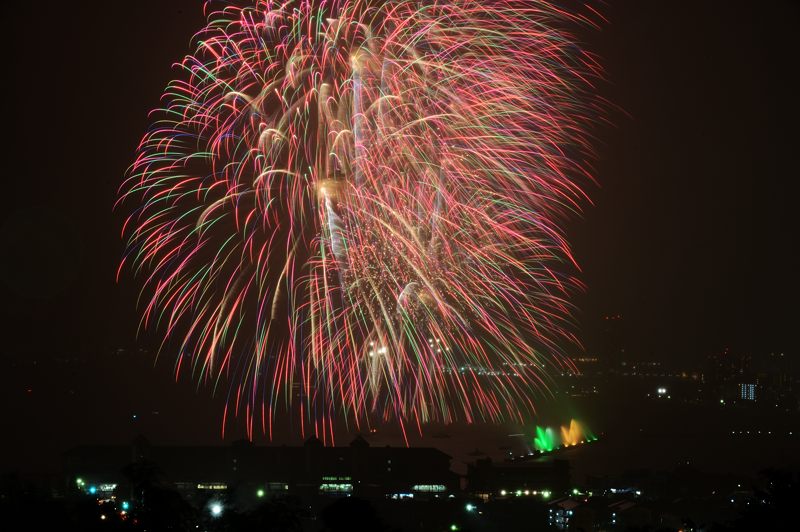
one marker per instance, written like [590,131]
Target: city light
[336,488]
[260,493]
[470,507]
[429,487]
[213,486]
[216,509]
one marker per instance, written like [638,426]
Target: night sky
[691,236]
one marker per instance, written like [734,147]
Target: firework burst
[357,207]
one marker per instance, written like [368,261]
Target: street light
[216,509]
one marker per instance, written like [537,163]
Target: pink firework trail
[361,204]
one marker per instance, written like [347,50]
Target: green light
[79,481]
[260,493]
[453,527]
[546,494]
[545,440]
[575,491]
[470,507]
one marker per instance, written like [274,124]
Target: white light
[429,487]
[470,507]
[216,509]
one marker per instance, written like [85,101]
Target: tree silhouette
[157,507]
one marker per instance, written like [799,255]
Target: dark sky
[691,237]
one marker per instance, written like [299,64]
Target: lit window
[336,488]
[429,488]
[212,486]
